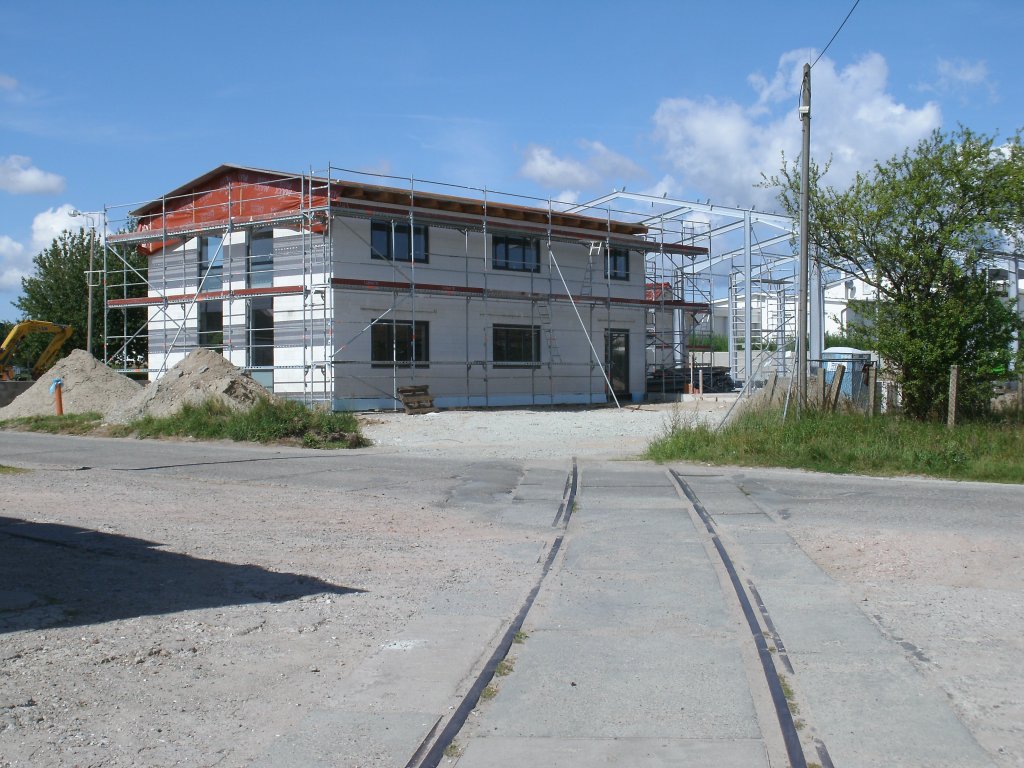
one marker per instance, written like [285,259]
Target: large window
[261,339]
[616,265]
[395,245]
[520,254]
[261,258]
[210,263]
[516,345]
[400,342]
[211,324]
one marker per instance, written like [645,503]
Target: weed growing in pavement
[268,421]
[489,692]
[5,470]
[505,667]
[851,443]
[787,691]
[519,637]
[453,750]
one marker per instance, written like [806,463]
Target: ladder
[544,314]
[587,287]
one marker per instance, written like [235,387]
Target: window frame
[420,334]
[214,271]
[522,241]
[259,264]
[505,330]
[414,255]
[203,331]
[614,261]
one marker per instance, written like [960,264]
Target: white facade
[486,336]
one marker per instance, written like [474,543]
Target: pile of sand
[202,375]
[88,385]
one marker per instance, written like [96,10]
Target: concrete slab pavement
[633,657]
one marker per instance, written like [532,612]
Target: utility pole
[801,312]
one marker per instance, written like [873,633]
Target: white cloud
[599,170]
[20,177]
[610,164]
[959,76]
[719,149]
[548,170]
[8,83]
[50,223]
[667,185]
[13,263]
[961,71]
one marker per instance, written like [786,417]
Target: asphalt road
[893,609]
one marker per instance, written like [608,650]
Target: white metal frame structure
[751,262]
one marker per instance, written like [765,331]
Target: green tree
[57,290]
[917,228]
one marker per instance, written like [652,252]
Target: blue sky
[116,103]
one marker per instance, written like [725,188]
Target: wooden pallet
[417,399]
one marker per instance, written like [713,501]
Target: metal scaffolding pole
[748,293]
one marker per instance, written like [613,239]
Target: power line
[855,4]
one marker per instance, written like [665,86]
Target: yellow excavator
[19,332]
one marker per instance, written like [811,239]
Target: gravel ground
[541,433]
[172,617]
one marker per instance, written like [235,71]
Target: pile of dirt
[88,385]
[202,375]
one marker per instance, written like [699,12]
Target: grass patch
[505,667]
[5,470]
[269,421]
[453,750]
[488,693]
[849,443]
[519,637]
[68,424]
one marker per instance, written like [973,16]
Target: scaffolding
[193,297]
[746,250]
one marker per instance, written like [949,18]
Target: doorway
[616,357]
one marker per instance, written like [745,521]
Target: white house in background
[341,292]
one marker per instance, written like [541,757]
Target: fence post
[835,389]
[954,375]
[872,384]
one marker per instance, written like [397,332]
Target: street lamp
[91,216]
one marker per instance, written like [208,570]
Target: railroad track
[799,741]
[432,750]
[761,628]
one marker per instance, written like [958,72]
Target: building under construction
[333,290]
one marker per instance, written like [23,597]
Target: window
[211,324]
[210,263]
[520,254]
[400,342]
[398,247]
[516,345]
[261,339]
[616,265]
[261,258]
